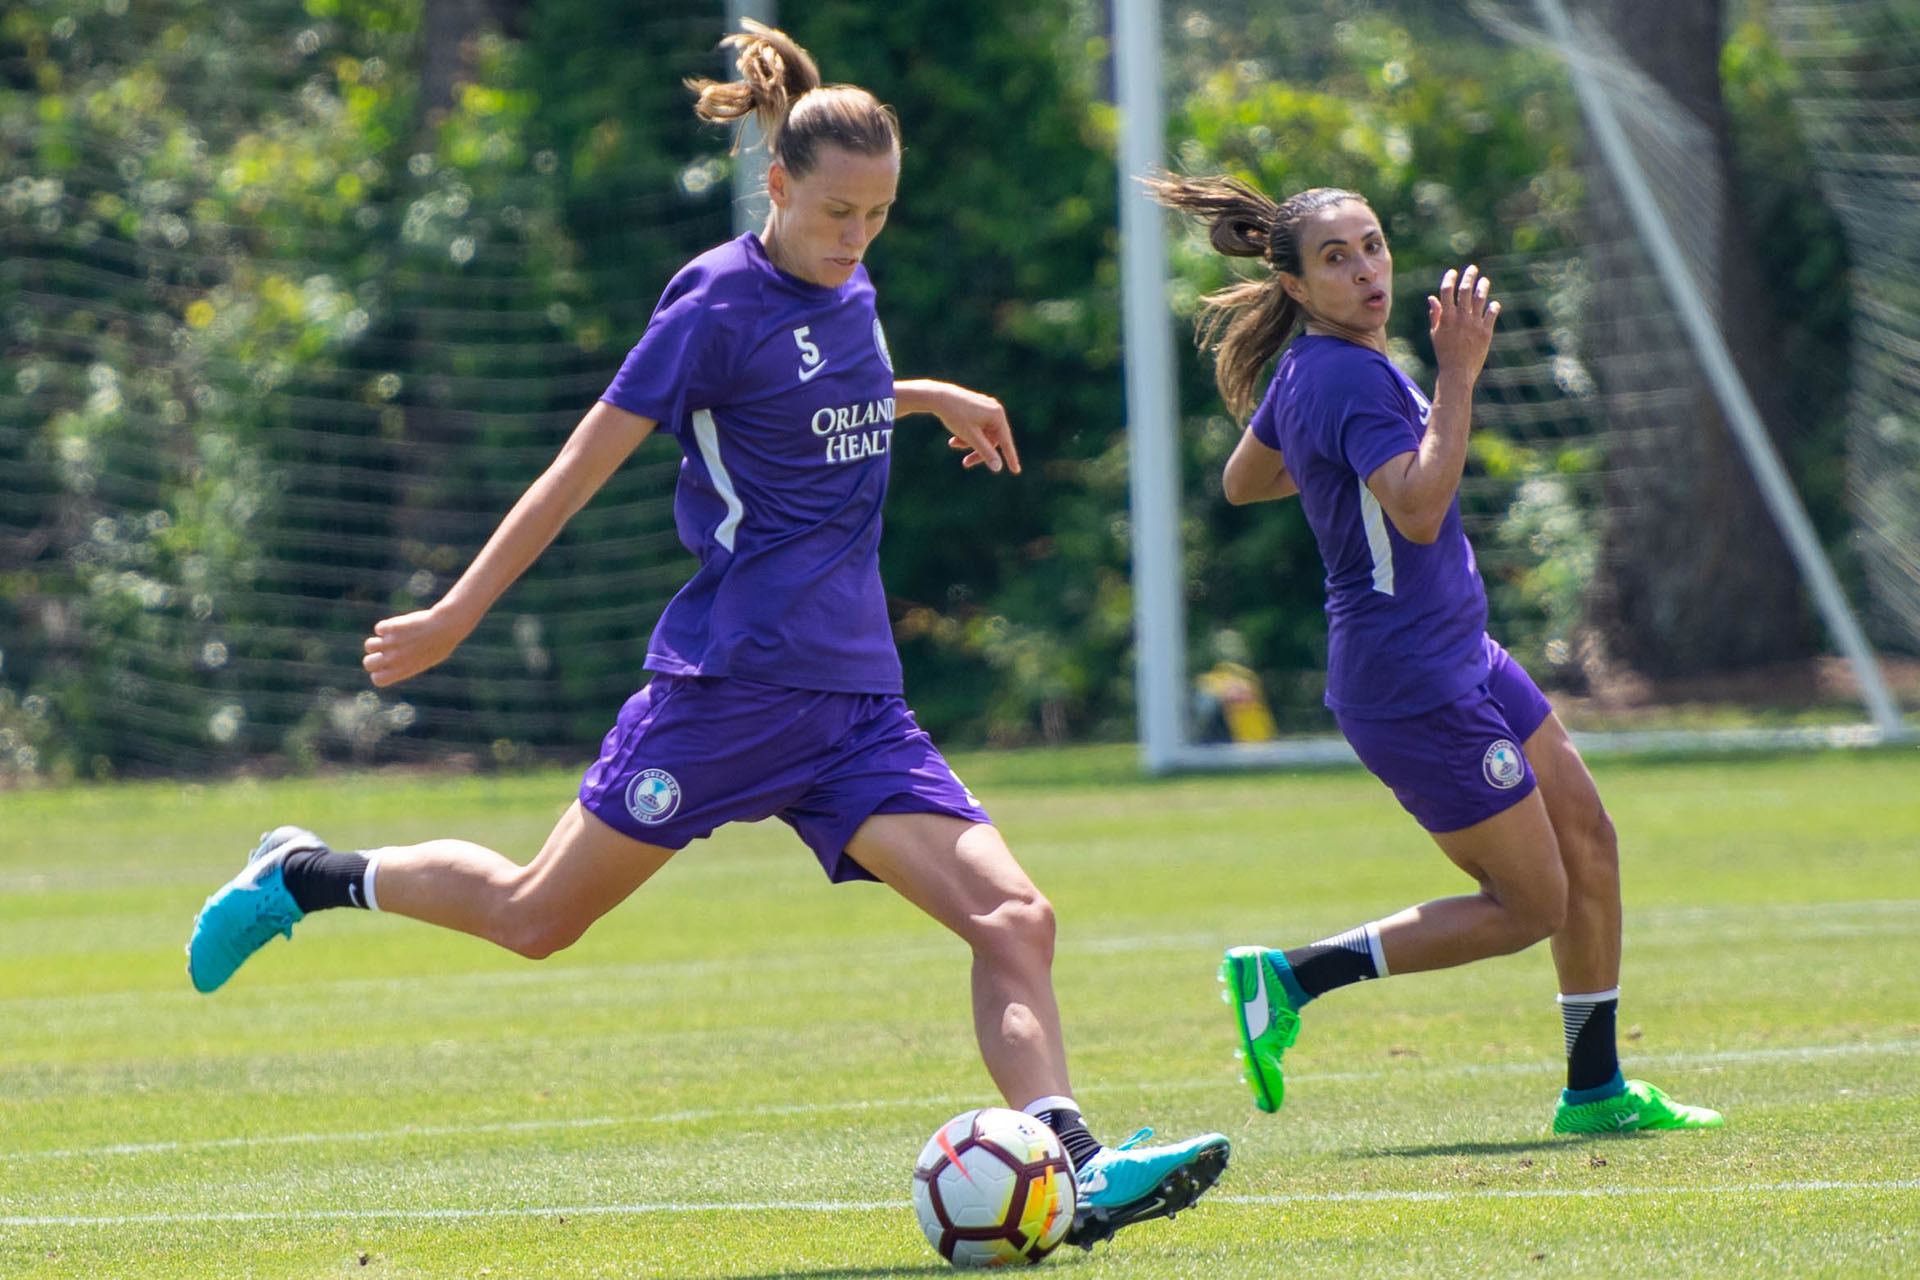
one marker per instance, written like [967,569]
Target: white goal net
[1635,486]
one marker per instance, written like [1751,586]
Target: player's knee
[535,935]
[1542,917]
[1020,928]
[1543,910]
[1533,912]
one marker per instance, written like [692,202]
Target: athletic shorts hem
[690,754]
[1492,810]
[829,840]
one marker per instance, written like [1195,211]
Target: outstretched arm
[402,647]
[974,422]
[1416,488]
[1255,473]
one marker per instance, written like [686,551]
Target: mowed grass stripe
[1800,1187]
[1812,921]
[750,1115]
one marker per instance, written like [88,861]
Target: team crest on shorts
[1503,765]
[652,796]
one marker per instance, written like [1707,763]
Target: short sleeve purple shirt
[1406,622]
[780,395]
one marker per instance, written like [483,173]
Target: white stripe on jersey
[709,439]
[1377,541]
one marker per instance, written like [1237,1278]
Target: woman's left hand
[975,422]
[978,424]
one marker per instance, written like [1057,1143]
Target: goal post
[1153,466]
[750,158]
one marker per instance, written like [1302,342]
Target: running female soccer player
[1430,703]
[777,685]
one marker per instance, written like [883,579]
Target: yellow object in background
[1242,706]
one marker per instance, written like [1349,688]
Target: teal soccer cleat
[1129,1183]
[247,910]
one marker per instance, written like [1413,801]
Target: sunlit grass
[379,1098]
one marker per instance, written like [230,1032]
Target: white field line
[1809,1187]
[1849,918]
[1727,1057]
[462,1130]
[1573,1193]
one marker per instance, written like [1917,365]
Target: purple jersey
[780,394]
[1406,623]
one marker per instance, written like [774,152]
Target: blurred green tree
[277,359]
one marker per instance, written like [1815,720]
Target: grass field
[731,1075]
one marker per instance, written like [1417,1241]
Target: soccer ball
[993,1187]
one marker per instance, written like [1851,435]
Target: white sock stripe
[1573,1018]
[1354,939]
[1379,952]
[1052,1102]
[366,881]
[1577,1010]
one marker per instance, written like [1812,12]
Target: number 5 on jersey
[811,361]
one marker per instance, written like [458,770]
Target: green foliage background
[270,257]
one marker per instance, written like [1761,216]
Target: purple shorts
[689,754]
[1464,762]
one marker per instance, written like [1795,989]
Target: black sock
[322,878]
[1073,1133]
[1593,1057]
[1321,966]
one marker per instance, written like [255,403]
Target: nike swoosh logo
[953,1157]
[1096,1180]
[806,374]
[1632,1117]
[1256,1010]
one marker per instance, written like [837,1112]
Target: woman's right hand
[401,648]
[1461,322]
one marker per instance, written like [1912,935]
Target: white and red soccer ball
[993,1187]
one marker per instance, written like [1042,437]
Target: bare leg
[963,875]
[1586,951]
[584,870]
[1522,898]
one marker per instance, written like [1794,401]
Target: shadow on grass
[1561,1143]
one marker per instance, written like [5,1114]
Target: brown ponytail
[1246,324]
[780,87]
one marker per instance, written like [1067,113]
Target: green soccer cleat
[1130,1183]
[246,912]
[1267,1014]
[1640,1106]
